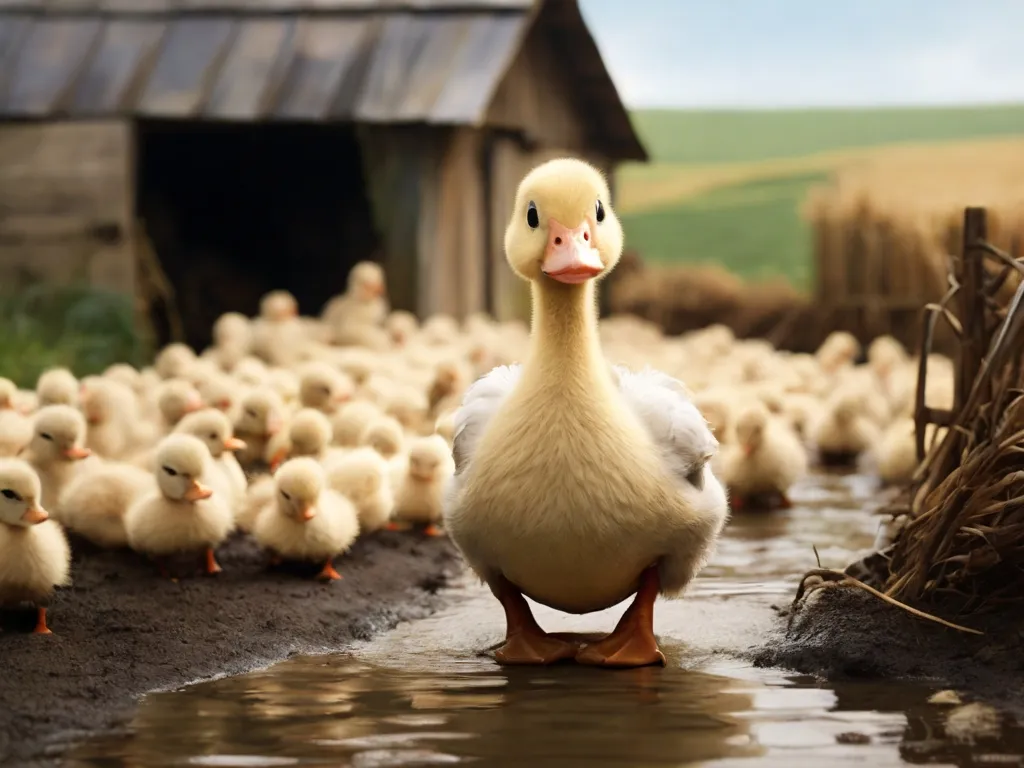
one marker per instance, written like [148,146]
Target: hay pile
[685,298]
[884,228]
[962,545]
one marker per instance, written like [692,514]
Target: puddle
[423,695]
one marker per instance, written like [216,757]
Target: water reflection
[425,694]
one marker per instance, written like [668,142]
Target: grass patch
[82,328]
[735,136]
[752,229]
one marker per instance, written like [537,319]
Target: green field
[752,225]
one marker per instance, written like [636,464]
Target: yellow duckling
[420,498]
[578,484]
[56,451]
[15,428]
[174,361]
[842,432]
[896,454]
[309,434]
[324,388]
[351,420]
[110,409]
[765,461]
[177,398]
[94,503]
[57,386]
[183,515]
[35,557]
[307,520]
[213,428]
[362,476]
[260,418]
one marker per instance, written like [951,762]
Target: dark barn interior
[234,210]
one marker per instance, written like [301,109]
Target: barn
[197,153]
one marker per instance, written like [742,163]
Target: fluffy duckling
[35,557]
[839,350]
[385,435]
[401,326]
[259,493]
[111,412]
[15,428]
[351,421]
[261,416]
[277,334]
[363,306]
[214,429]
[842,432]
[445,427]
[307,520]
[896,454]
[765,461]
[409,406]
[175,399]
[220,392]
[56,450]
[324,388]
[451,377]
[183,515]
[420,498]
[174,361]
[362,476]
[577,483]
[57,386]
[308,435]
[94,503]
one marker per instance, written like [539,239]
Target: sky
[795,53]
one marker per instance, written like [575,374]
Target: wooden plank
[48,63]
[325,50]
[253,69]
[115,71]
[187,66]
[485,56]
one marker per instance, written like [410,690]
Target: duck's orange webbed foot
[632,644]
[525,642]
[433,530]
[328,573]
[212,566]
[41,628]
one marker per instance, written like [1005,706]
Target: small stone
[946,697]
[852,737]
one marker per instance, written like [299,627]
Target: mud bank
[121,630]
[842,633]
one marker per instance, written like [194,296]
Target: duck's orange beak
[570,256]
[77,452]
[234,444]
[35,515]
[198,492]
[277,459]
[308,513]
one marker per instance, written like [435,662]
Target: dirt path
[121,631]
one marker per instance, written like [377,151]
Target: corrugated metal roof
[156,7]
[393,67]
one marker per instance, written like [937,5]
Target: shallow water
[425,694]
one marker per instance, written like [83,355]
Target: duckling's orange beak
[308,513]
[223,404]
[198,492]
[193,405]
[570,256]
[77,452]
[234,444]
[342,397]
[35,515]
[273,426]
[277,459]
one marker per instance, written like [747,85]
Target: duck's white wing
[678,428]
[481,401]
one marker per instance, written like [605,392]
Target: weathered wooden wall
[66,204]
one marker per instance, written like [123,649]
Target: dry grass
[885,227]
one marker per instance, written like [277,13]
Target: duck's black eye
[9,494]
[600,212]
[214,436]
[46,436]
[170,471]
[532,217]
[286,496]
[251,412]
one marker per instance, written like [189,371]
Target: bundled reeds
[963,542]
[684,298]
[885,228]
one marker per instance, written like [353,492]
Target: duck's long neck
[564,339]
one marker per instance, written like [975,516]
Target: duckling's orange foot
[639,649]
[433,530]
[328,573]
[525,648]
[41,628]
[393,526]
[212,567]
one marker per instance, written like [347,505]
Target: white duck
[578,484]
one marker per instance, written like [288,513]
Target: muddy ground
[121,630]
[841,633]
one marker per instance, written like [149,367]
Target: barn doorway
[235,210]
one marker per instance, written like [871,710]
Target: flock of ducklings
[306,433]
